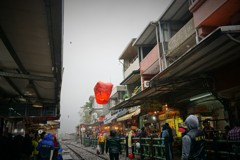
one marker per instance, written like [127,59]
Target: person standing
[165,135]
[143,133]
[101,142]
[56,147]
[193,143]
[170,140]
[27,147]
[234,135]
[208,130]
[113,146]
[35,142]
[46,147]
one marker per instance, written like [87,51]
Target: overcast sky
[96,32]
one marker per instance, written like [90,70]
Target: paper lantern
[100,118]
[102,92]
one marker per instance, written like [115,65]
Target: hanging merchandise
[102,92]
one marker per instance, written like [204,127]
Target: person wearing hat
[193,143]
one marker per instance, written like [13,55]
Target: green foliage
[125,96]
[87,108]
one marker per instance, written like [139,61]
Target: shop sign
[151,108]
[107,116]
[109,120]
[122,112]
[167,115]
[162,117]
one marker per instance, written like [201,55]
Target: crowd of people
[112,144]
[194,138]
[193,141]
[35,145]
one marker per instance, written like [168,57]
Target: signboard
[151,108]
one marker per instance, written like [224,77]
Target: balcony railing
[150,64]
[183,40]
[208,15]
[132,67]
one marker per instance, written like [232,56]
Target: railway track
[81,153]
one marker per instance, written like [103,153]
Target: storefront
[214,112]
[153,119]
[130,120]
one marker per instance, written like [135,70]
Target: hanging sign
[102,92]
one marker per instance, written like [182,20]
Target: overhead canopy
[218,49]
[129,51]
[176,11]
[133,77]
[130,115]
[148,36]
[31,35]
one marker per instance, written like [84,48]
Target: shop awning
[109,120]
[217,49]
[130,115]
[160,93]
[133,77]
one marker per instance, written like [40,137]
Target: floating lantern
[100,118]
[102,92]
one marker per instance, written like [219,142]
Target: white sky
[96,32]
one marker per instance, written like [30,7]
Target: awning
[109,120]
[133,77]
[217,49]
[130,115]
[160,93]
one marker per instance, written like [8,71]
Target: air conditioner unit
[146,84]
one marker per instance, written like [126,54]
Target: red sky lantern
[100,118]
[102,92]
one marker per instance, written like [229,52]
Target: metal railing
[123,145]
[86,141]
[92,142]
[223,149]
[152,148]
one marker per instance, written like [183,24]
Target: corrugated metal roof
[31,51]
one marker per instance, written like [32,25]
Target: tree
[85,114]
